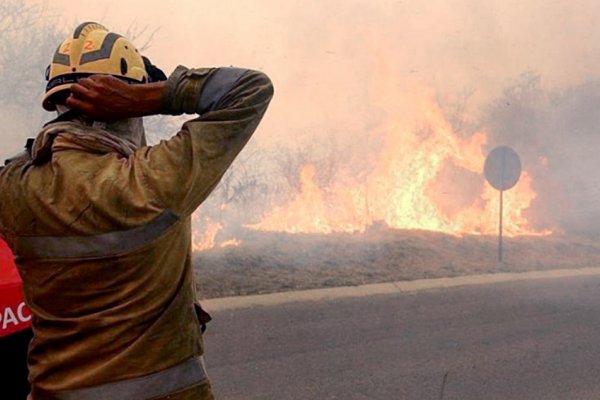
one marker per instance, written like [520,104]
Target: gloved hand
[155,74]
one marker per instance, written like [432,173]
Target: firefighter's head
[91,49]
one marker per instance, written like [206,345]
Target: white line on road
[229,303]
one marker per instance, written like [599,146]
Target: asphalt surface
[521,340]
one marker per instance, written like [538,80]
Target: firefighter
[100,223]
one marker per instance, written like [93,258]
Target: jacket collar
[61,134]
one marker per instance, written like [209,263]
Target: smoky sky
[324,58]
[320,54]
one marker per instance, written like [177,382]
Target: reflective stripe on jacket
[103,241]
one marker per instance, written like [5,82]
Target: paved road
[522,340]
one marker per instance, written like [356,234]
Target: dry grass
[275,262]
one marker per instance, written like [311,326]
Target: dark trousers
[13,356]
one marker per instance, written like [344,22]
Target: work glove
[155,74]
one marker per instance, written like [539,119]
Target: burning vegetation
[417,183]
[428,178]
[408,202]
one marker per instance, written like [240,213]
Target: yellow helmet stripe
[59,58]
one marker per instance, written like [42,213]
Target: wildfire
[205,235]
[204,240]
[409,188]
[425,176]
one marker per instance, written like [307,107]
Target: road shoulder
[272,299]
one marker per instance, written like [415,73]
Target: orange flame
[402,190]
[230,243]
[204,234]
[204,240]
[426,179]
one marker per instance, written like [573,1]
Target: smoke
[342,68]
[556,134]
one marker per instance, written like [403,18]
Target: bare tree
[141,35]
[29,33]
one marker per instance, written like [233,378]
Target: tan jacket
[102,240]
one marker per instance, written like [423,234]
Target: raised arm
[180,172]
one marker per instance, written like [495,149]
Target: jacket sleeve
[181,172]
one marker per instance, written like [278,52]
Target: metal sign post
[502,170]
[500,227]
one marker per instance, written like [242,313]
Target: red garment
[14,314]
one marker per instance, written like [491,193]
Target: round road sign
[502,168]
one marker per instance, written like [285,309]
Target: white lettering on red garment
[22,317]
[9,318]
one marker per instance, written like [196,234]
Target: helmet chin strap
[129,129]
